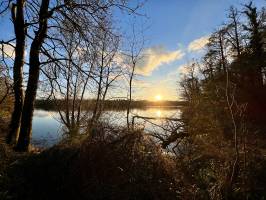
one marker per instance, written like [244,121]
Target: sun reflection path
[158,113]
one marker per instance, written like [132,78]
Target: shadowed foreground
[128,167]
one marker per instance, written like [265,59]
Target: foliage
[224,115]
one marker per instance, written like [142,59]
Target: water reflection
[158,113]
[47,129]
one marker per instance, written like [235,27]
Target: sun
[158,97]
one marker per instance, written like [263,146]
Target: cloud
[154,57]
[9,51]
[198,44]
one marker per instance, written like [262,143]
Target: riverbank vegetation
[216,149]
[128,166]
[226,105]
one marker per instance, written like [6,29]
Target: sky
[174,32]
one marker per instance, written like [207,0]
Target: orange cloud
[198,44]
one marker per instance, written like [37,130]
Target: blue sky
[171,27]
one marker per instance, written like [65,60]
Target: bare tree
[134,55]
[217,48]
[190,85]
[32,85]
[233,31]
[42,19]
[69,79]
[76,13]
[17,13]
[107,70]
[88,64]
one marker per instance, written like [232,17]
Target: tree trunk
[223,61]
[130,92]
[34,71]
[19,27]
[99,92]
[98,99]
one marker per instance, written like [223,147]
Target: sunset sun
[158,97]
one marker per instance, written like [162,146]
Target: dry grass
[127,166]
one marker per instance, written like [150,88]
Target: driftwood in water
[175,133]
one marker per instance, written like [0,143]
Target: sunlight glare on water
[47,129]
[158,113]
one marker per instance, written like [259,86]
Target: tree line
[233,68]
[226,102]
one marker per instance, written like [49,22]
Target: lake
[47,129]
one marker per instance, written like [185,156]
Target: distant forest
[109,104]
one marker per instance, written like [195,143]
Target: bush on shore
[128,166]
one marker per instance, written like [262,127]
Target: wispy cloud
[198,44]
[154,57]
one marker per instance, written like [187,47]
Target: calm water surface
[47,129]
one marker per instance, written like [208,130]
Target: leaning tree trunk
[19,27]
[34,71]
